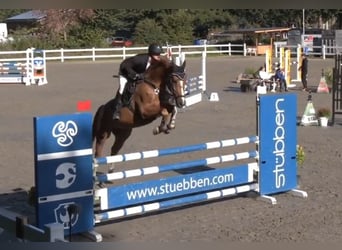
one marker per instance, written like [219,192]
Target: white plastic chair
[267,78]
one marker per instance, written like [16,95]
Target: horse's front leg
[165,121]
[172,123]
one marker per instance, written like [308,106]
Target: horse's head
[177,82]
[170,79]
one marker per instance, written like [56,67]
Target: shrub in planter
[323,115]
[324,112]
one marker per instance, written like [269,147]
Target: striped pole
[155,206]
[176,166]
[175,150]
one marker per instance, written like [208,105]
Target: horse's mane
[164,62]
[159,69]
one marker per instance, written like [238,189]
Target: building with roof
[254,37]
[28,19]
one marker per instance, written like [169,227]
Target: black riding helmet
[154,49]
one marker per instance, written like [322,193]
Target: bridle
[168,90]
[170,87]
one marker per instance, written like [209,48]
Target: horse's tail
[97,120]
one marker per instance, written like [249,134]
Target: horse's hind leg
[100,143]
[100,140]
[121,135]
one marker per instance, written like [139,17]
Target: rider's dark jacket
[132,66]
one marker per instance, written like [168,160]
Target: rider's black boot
[116,115]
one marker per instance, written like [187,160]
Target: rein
[150,83]
[168,87]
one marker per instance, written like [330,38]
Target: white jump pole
[288,65]
[299,63]
[204,70]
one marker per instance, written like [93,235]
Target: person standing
[304,71]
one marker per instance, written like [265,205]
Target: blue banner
[158,189]
[60,133]
[63,171]
[278,141]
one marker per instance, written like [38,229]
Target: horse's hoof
[156,131]
[171,126]
[111,168]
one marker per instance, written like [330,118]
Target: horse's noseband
[179,75]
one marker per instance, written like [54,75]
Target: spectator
[280,77]
[304,71]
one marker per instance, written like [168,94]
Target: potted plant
[328,74]
[324,115]
[300,155]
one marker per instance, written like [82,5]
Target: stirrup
[116,116]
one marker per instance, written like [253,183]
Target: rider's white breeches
[122,82]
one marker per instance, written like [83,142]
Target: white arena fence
[94,54]
[209,49]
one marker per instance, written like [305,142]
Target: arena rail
[124,52]
[94,54]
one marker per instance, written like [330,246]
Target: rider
[132,70]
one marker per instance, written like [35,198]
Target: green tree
[90,27]
[205,21]
[177,27]
[86,36]
[148,31]
[60,21]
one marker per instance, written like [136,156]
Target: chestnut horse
[157,95]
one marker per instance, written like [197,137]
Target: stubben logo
[279,143]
